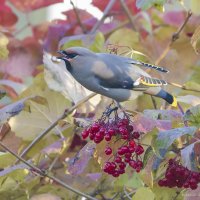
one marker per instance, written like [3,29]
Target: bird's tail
[167,97]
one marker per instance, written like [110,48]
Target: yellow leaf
[143,193]
[3,47]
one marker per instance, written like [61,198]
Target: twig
[106,11]
[43,173]
[183,87]
[78,17]
[154,102]
[174,37]
[126,10]
[65,114]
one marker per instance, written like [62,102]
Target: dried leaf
[3,47]
[195,40]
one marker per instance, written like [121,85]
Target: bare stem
[43,173]
[126,10]
[78,17]
[105,13]
[65,114]
[174,37]
[183,87]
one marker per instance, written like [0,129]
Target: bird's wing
[148,81]
[147,65]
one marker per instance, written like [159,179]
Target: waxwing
[113,76]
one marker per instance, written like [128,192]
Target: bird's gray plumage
[108,74]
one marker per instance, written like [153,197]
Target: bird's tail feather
[167,97]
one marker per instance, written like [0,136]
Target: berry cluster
[179,176]
[112,130]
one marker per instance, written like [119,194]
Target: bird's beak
[63,57]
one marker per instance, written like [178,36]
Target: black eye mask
[67,55]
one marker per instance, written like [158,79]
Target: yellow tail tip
[174,104]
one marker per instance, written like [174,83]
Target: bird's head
[74,55]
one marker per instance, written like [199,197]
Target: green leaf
[166,138]
[164,193]
[29,123]
[194,6]
[143,193]
[192,115]
[145,4]
[126,180]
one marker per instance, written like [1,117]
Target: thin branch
[43,173]
[183,87]
[65,114]
[174,37]
[154,102]
[105,13]
[78,17]
[126,10]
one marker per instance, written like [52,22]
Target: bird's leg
[109,110]
[121,108]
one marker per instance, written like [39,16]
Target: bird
[117,77]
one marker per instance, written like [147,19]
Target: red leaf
[117,8]
[7,17]
[28,5]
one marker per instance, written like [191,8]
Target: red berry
[108,151]
[122,165]
[85,134]
[132,143]
[107,137]
[130,128]
[95,127]
[111,131]
[139,150]
[136,135]
[118,159]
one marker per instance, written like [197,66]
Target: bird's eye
[71,55]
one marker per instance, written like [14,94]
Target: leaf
[56,147]
[194,6]
[77,164]
[162,114]
[189,99]
[3,46]
[45,196]
[164,193]
[8,17]
[39,116]
[2,93]
[26,5]
[145,4]
[166,138]
[174,18]
[188,157]
[132,181]
[191,85]
[146,174]
[195,40]
[145,124]
[192,115]
[143,193]
[192,194]
[12,109]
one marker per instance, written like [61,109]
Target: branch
[78,17]
[65,114]
[174,37]
[183,87]
[126,10]
[105,13]
[43,173]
